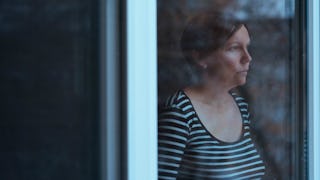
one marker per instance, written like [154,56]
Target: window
[271,88]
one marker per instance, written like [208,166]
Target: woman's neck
[209,93]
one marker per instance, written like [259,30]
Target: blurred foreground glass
[49,90]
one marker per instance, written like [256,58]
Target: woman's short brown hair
[206,32]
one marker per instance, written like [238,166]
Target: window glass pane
[49,113]
[273,88]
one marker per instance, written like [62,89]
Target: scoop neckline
[208,132]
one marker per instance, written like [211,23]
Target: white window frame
[313,89]
[142,89]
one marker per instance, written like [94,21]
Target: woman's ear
[196,56]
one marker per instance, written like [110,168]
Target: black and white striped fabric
[186,150]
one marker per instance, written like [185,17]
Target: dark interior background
[49,104]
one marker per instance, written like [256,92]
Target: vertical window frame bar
[142,89]
[111,96]
[313,88]
[111,83]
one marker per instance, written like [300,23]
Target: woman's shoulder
[240,100]
[175,112]
[178,103]
[242,104]
[176,100]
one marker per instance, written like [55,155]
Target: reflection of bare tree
[268,87]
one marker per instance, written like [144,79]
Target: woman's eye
[232,48]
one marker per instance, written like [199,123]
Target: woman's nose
[246,56]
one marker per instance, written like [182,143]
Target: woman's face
[229,64]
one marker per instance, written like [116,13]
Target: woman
[204,130]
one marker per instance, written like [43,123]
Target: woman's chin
[242,81]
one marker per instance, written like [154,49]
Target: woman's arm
[173,132]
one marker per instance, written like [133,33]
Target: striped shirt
[187,150]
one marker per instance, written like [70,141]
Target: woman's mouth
[243,72]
